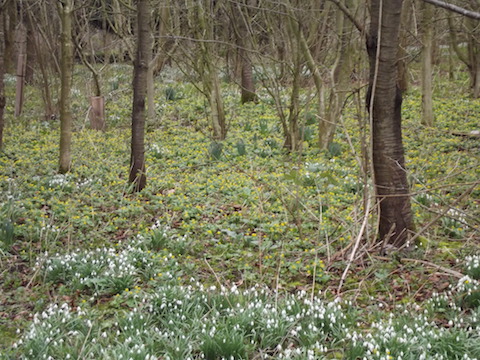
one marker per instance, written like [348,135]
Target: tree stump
[97,113]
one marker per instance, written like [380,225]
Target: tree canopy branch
[350,16]
[455,8]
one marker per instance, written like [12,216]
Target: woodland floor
[241,216]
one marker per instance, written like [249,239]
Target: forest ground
[244,215]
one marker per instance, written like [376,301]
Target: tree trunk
[45,64]
[240,16]
[65,9]
[20,84]
[248,85]
[208,68]
[293,136]
[340,78]
[218,111]
[474,56]
[427,92]
[97,113]
[137,176]
[385,102]
[2,72]
[158,61]
[21,45]
[472,59]
[150,92]
[30,64]
[10,23]
[402,67]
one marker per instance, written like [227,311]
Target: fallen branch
[454,273]
[474,134]
[357,243]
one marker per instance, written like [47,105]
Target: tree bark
[45,57]
[240,16]
[158,61]
[137,176]
[20,84]
[340,78]
[65,9]
[427,88]
[248,85]
[10,23]
[402,65]
[472,57]
[384,101]
[2,72]
[293,136]
[97,113]
[208,69]
[30,64]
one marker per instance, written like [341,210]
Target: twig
[277,285]
[442,213]
[85,342]
[35,273]
[357,243]
[314,277]
[218,280]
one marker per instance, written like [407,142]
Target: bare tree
[30,51]
[339,80]
[45,28]
[9,14]
[405,30]
[280,62]
[427,63]
[83,41]
[137,176]
[163,47]
[385,104]
[2,72]
[469,29]
[241,17]
[65,11]
[203,14]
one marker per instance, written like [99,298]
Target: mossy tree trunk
[137,176]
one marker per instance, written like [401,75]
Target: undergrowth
[233,251]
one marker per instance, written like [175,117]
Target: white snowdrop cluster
[472,266]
